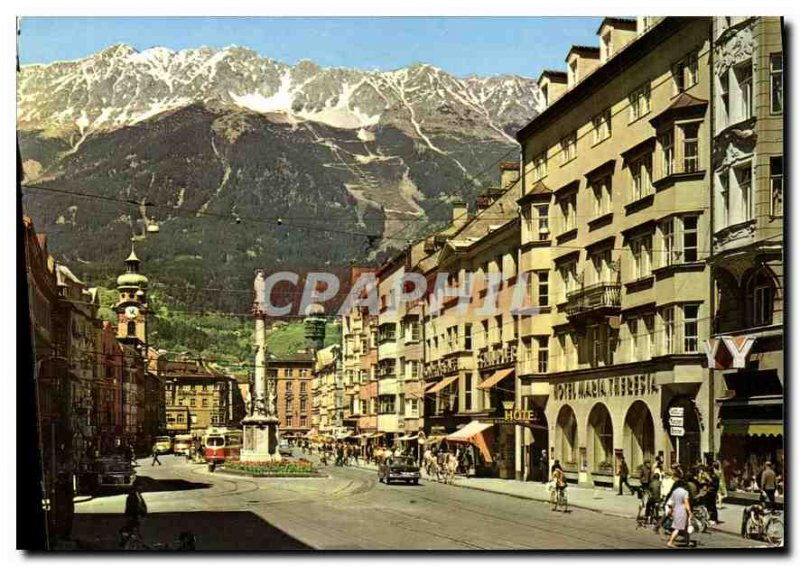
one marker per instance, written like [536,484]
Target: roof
[683,104]
[586,50]
[537,190]
[638,48]
[64,275]
[191,369]
[551,74]
[295,358]
[622,23]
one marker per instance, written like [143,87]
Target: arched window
[760,299]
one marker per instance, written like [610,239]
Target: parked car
[402,468]
[109,474]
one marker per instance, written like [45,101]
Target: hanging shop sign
[728,351]
[512,415]
[630,385]
[676,411]
[676,421]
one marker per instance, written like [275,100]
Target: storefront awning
[442,384]
[472,433]
[496,378]
[311,433]
[376,435]
[408,437]
[434,439]
[752,429]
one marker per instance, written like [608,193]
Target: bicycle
[700,518]
[558,498]
[764,524]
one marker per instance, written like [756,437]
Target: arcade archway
[600,439]
[639,437]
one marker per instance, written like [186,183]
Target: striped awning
[496,378]
[442,384]
[752,429]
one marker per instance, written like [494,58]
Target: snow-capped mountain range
[120,86]
[228,132]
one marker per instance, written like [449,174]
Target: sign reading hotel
[630,385]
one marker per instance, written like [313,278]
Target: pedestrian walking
[712,494]
[622,471]
[543,464]
[155,457]
[135,508]
[768,482]
[681,513]
[646,474]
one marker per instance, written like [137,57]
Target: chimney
[552,84]
[459,213]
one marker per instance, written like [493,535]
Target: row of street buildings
[643,225]
[102,389]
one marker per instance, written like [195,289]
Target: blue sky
[462,46]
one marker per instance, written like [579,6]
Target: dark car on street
[400,468]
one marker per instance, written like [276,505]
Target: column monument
[260,427]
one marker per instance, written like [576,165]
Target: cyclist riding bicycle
[558,477]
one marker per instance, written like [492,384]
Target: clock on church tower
[131,305]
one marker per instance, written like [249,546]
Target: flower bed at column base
[286,468]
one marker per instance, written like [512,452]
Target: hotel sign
[630,385]
[733,354]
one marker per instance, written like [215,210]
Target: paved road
[350,509]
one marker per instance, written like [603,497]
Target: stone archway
[566,440]
[639,437]
[600,439]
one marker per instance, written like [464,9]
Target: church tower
[131,305]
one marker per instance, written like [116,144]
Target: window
[413,407]
[667,143]
[181,418]
[289,421]
[413,370]
[639,102]
[641,177]
[303,404]
[633,331]
[690,327]
[573,72]
[568,148]
[641,249]
[468,337]
[602,126]
[689,238]
[667,242]
[303,421]
[544,221]
[540,166]
[602,195]
[386,404]
[567,205]
[668,322]
[569,278]
[690,147]
[743,74]
[302,387]
[415,331]
[606,46]
[776,185]
[760,297]
[543,288]
[776,82]
[724,211]
[595,345]
[468,392]
[723,90]
[744,179]
[684,73]
[601,264]
[543,353]
[205,402]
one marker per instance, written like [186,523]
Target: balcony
[598,299]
